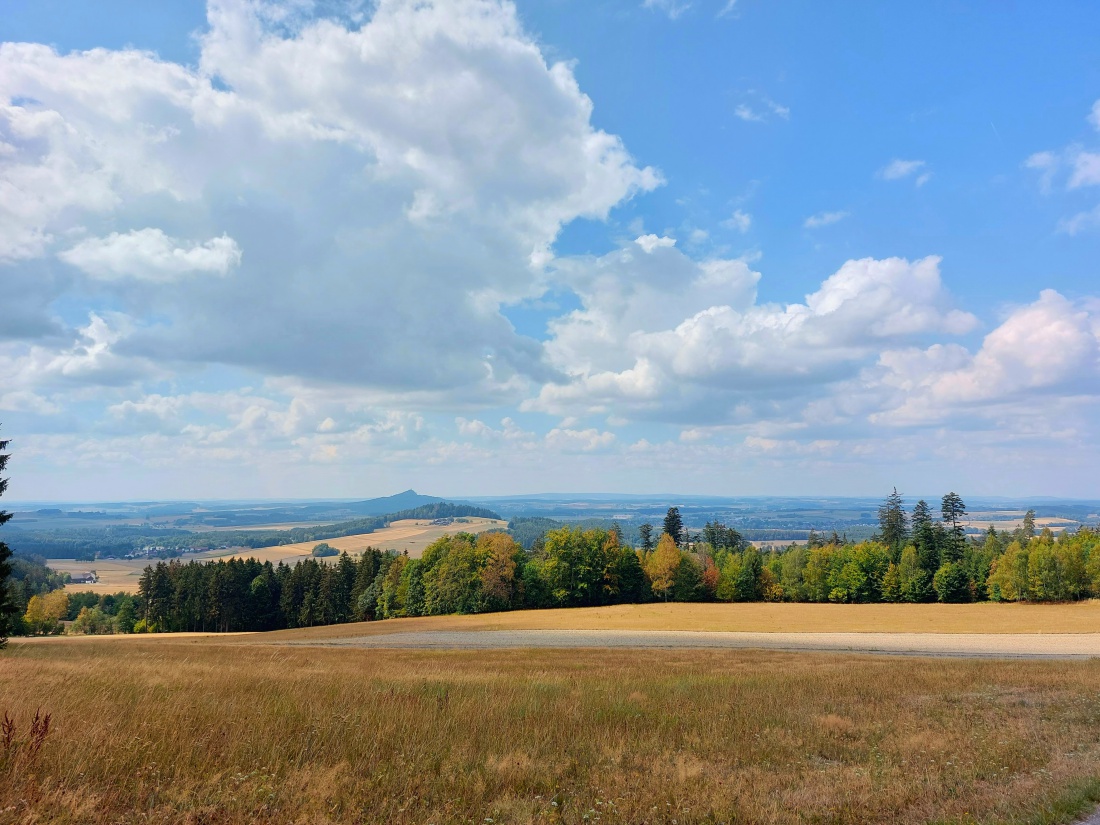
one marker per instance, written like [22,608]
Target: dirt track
[1002,645]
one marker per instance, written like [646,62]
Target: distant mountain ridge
[408,500]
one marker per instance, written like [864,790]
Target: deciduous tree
[661,566]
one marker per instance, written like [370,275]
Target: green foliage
[578,566]
[914,580]
[953,511]
[951,583]
[529,530]
[674,525]
[323,550]
[720,537]
[894,524]
[92,621]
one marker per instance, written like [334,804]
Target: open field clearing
[192,730]
[1015,520]
[411,535]
[115,575]
[996,645]
[751,617]
[122,575]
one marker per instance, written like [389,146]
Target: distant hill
[408,500]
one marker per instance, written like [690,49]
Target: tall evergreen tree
[674,525]
[645,533]
[1027,529]
[617,532]
[925,539]
[7,603]
[894,524]
[953,511]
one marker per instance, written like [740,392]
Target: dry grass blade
[7,733]
[40,729]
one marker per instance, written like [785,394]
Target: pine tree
[894,524]
[674,525]
[7,603]
[645,533]
[1027,529]
[953,511]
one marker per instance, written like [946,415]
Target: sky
[282,248]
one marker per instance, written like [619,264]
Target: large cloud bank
[305,246]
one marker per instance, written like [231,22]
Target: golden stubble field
[189,730]
[750,617]
[412,535]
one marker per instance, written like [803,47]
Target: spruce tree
[645,533]
[953,511]
[7,604]
[924,537]
[894,524]
[674,525]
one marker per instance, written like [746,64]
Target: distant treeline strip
[915,558]
[123,540]
[572,567]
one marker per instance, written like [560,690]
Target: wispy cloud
[1081,222]
[739,220]
[900,169]
[673,8]
[731,4]
[824,219]
[760,108]
[1072,167]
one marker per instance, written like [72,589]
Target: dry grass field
[752,617]
[122,575]
[410,534]
[174,730]
[115,575]
[997,518]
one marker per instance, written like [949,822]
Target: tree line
[917,556]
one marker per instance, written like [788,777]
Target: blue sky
[339,249]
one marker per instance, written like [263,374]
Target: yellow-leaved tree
[661,566]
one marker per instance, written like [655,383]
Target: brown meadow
[174,730]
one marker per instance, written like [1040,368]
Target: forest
[915,557]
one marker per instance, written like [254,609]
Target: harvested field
[961,645]
[115,575]
[193,730]
[412,535]
[755,617]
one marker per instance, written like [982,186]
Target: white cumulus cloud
[149,254]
